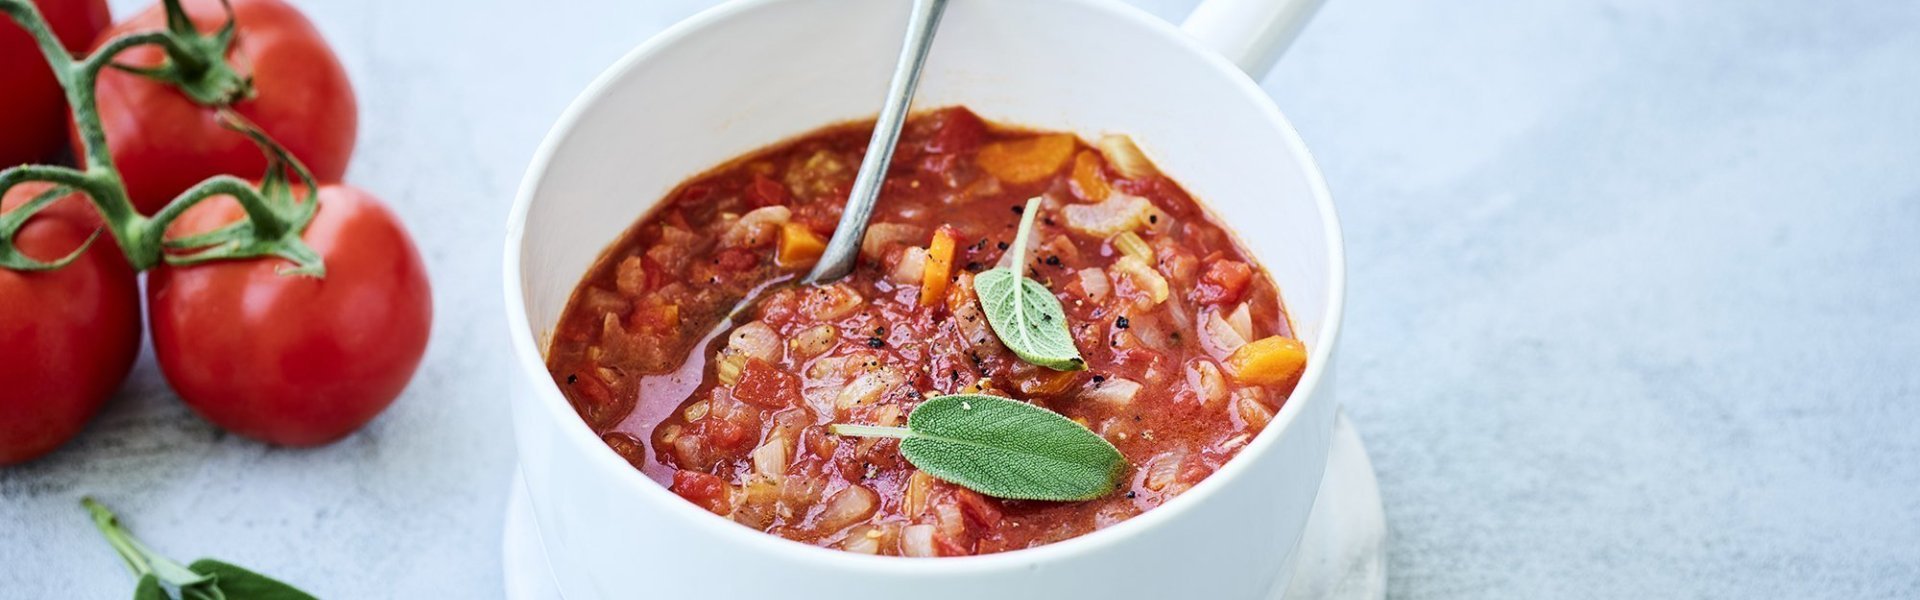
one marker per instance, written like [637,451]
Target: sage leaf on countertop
[242,584]
[1003,448]
[1024,314]
[149,589]
[205,579]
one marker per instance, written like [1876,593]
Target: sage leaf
[1003,448]
[205,579]
[1024,314]
[241,584]
[149,589]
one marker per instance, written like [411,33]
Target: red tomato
[67,336]
[163,143]
[33,110]
[295,360]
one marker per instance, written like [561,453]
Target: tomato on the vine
[68,335]
[33,109]
[290,359]
[162,142]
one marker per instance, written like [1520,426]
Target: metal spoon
[837,260]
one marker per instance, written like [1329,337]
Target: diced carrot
[1026,160]
[939,268]
[799,246]
[1088,181]
[1267,360]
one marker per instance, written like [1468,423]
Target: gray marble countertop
[1633,308]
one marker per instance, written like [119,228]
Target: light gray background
[1633,305]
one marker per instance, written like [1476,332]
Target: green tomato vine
[197,65]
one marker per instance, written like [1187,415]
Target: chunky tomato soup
[1187,349]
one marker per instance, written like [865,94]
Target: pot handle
[1251,33]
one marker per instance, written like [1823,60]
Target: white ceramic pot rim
[530,357]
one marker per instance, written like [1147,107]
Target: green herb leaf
[1026,316]
[1003,448]
[205,579]
[149,589]
[242,584]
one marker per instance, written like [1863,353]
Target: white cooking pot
[754,72]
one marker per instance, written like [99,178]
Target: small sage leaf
[1024,314]
[242,584]
[1004,448]
[149,589]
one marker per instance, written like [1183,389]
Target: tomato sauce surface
[1187,347]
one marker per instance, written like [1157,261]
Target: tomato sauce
[1188,349]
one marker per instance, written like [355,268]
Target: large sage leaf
[1004,448]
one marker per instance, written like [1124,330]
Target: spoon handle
[837,260]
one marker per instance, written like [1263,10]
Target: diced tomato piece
[707,491]
[1225,282]
[763,385]
[979,511]
[722,434]
[956,130]
[589,391]
[697,193]
[736,259]
[947,546]
[764,191]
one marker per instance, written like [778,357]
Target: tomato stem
[196,65]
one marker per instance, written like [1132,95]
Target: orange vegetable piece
[799,246]
[1088,181]
[939,269]
[1267,360]
[1026,160]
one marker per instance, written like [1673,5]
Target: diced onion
[917,541]
[756,340]
[1221,335]
[1119,212]
[1242,321]
[1252,410]
[770,458]
[1164,470]
[863,540]
[1115,391]
[866,388]
[631,277]
[757,228]
[912,266]
[831,302]
[814,341]
[1094,283]
[914,501]
[847,507]
[756,502]
[1207,383]
[873,246]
